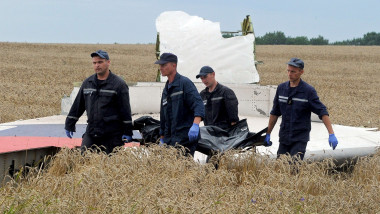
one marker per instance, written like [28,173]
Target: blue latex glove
[193,132]
[126,138]
[161,142]
[69,134]
[267,140]
[333,141]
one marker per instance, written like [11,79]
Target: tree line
[279,38]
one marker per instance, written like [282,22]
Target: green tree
[227,35]
[299,40]
[279,38]
[371,38]
[356,41]
[275,38]
[319,41]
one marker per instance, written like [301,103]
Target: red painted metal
[17,143]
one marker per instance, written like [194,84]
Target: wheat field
[347,78]
[158,180]
[35,77]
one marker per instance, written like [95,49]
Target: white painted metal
[198,42]
[353,141]
[255,103]
[145,97]
[12,163]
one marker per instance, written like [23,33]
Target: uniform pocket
[111,118]
[106,96]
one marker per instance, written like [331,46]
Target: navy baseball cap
[102,54]
[296,63]
[204,71]
[167,57]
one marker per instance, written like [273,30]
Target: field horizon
[36,75]
[156,179]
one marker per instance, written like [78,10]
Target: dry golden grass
[157,180]
[36,76]
[347,78]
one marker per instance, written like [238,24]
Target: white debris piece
[198,42]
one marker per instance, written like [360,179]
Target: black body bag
[215,139]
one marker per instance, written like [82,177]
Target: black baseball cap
[102,54]
[167,57]
[204,71]
[296,63]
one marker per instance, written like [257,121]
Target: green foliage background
[279,38]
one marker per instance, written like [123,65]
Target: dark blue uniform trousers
[295,149]
[106,143]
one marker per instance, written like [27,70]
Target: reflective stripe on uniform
[216,98]
[89,89]
[176,93]
[127,121]
[283,99]
[108,91]
[71,117]
[301,100]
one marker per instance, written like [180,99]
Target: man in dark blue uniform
[181,107]
[105,98]
[221,104]
[295,100]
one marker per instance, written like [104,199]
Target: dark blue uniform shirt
[296,106]
[221,106]
[107,106]
[180,103]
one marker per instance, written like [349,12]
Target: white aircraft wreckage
[198,42]
[25,143]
